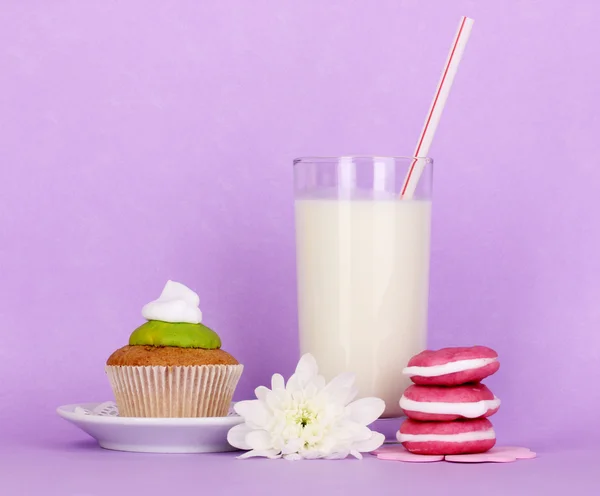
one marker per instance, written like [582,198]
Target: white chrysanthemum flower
[307,418]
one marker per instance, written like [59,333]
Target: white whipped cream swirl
[176,303]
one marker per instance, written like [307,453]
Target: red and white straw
[437,106]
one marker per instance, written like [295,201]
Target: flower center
[306,417]
[302,415]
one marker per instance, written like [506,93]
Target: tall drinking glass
[362,256]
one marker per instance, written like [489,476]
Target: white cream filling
[462,437]
[472,409]
[448,368]
[176,303]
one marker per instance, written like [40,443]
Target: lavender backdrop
[147,140]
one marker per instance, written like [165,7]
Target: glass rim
[318,159]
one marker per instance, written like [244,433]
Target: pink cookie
[438,403]
[447,438]
[452,366]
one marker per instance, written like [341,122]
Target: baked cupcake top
[173,334]
[168,356]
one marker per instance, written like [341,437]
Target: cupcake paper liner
[179,391]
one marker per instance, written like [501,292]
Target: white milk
[363,269]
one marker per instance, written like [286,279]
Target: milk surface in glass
[363,270]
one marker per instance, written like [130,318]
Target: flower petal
[376,440]
[366,410]
[352,393]
[307,367]
[274,399]
[306,371]
[356,454]
[277,382]
[294,385]
[338,455]
[310,390]
[261,393]
[329,444]
[254,412]
[320,382]
[292,446]
[340,389]
[272,454]
[293,457]
[259,440]
[311,454]
[353,432]
[237,436]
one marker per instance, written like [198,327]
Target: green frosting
[181,335]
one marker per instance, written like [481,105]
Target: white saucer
[150,435]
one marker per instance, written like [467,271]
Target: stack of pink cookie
[448,406]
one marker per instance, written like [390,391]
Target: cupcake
[173,365]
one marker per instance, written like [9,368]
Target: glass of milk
[362,256]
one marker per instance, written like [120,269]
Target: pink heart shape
[480,458]
[503,454]
[410,457]
[517,451]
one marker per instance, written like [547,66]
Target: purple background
[148,140]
